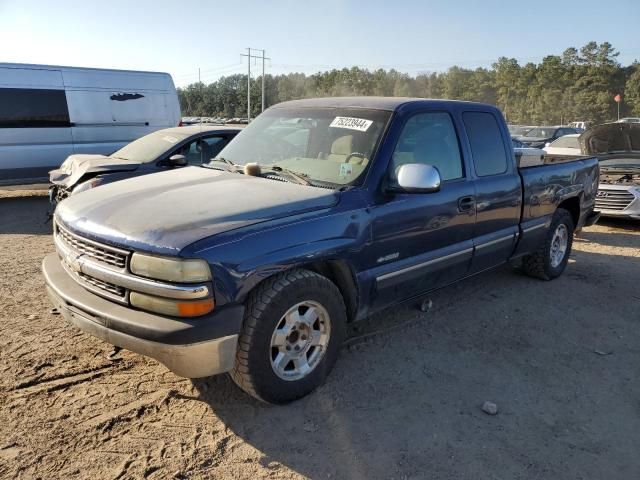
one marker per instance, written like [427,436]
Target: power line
[210,70]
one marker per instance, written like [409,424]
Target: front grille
[110,257]
[102,285]
[98,251]
[607,199]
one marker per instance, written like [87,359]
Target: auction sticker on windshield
[346,169]
[351,123]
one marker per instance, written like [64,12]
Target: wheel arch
[572,205]
[339,272]
[342,275]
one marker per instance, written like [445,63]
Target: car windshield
[324,145]
[149,147]
[540,132]
[566,142]
[518,130]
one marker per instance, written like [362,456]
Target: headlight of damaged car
[170,269]
[89,184]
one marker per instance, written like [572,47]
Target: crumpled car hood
[76,166]
[165,212]
[612,140]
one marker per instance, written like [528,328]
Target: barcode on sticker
[351,123]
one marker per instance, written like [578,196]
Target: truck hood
[165,212]
[612,140]
[77,166]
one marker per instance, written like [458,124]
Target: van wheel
[294,324]
[551,258]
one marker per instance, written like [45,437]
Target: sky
[412,36]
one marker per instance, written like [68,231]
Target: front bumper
[191,348]
[618,201]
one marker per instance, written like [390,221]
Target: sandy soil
[560,359]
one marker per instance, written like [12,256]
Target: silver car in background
[617,145]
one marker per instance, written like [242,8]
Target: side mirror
[418,178]
[177,161]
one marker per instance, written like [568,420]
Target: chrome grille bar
[112,256]
[613,199]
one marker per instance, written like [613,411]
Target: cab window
[487,145]
[429,138]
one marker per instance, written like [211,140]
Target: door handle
[466,204]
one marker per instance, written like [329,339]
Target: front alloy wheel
[300,340]
[294,324]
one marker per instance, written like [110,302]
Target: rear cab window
[486,142]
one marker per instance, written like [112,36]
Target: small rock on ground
[490,408]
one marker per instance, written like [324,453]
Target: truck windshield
[326,145]
[149,147]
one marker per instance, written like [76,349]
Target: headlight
[89,184]
[170,269]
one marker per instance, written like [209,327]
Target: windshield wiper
[223,160]
[298,177]
[229,166]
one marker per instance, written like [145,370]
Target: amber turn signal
[174,308]
[195,309]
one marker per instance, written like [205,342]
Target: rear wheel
[293,327]
[551,258]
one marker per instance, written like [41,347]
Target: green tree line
[580,84]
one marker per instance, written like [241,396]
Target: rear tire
[293,327]
[551,258]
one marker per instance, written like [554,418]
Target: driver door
[424,240]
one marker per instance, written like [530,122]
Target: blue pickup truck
[320,213]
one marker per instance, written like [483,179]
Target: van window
[487,145]
[33,108]
[429,138]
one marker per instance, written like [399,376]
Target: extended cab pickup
[319,213]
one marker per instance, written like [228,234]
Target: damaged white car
[617,146]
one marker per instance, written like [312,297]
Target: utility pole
[249,85]
[249,57]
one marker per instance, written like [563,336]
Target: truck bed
[548,185]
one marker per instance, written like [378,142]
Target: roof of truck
[377,103]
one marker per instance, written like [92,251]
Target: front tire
[293,327]
[551,258]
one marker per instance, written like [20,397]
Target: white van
[48,113]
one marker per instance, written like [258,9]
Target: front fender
[241,264]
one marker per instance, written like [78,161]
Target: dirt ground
[561,360]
